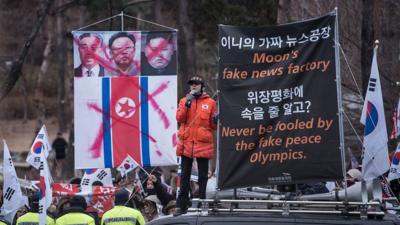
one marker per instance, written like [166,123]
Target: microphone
[189,98]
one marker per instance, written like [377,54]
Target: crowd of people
[75,212]
[142,195]
[153,192]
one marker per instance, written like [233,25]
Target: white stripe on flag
[12,194]
[88,123]
[163,152]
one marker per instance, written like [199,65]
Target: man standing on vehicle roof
[196,115]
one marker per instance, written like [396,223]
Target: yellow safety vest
[3,222]
[32,218]
[122,215]
[75,218]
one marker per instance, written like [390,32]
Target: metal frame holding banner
[125,88]
[278,102]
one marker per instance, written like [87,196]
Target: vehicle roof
[272,218]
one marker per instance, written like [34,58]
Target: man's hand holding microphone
[189,98]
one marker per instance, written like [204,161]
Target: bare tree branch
[16,68]
[134,2]
[63,7]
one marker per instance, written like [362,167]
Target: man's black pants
[186,169]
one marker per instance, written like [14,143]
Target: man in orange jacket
[196,116]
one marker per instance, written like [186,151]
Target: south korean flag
[127,165]
[12,194]
[101,176]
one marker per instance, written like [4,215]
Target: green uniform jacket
[76,218]
[3,222]
[32,218]
[122,215]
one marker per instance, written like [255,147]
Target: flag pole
[340,102]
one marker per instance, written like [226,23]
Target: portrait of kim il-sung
[90,53]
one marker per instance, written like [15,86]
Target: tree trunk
[25,98]
[158,11]
[186,44]
[110,14]
[39,101]
[61,53]
[367,35]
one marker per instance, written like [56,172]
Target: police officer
[2,220]
[121,214]
[76,214]
[32,217]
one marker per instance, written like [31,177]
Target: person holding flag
[32,217]
[375,156]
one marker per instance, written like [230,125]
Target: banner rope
[95,23]
[122,16]
[352,74]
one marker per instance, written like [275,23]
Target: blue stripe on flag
[106,123]
[144,120]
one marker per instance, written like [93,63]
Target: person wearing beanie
[196,115]
[121,214]
[76,214]
[32,217]
[352,176]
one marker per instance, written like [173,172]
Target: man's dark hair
[119,35]
[121,197]
[78,201]
[34,202]
[75,180]
[85,35]
[97,183]
[165,35]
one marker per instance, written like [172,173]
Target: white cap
[153,198]
[354,173]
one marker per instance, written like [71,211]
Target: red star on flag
[125,107]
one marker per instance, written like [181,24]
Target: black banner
[278,104]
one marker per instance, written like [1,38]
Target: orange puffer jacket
[196,127]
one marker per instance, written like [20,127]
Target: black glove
[188,100]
